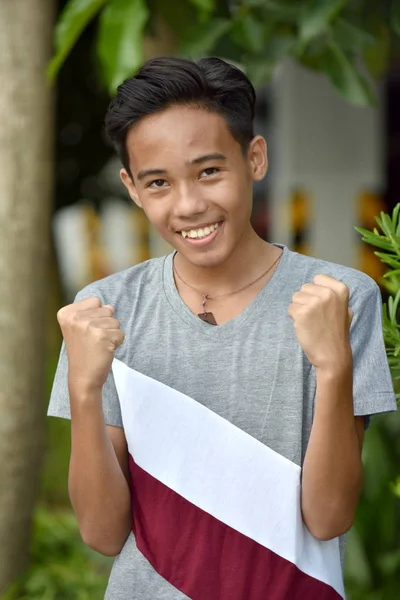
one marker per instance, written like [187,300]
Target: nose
[189,202]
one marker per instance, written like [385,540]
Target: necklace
[208,317]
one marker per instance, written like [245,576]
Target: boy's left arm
[332,469]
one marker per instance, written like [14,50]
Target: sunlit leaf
[391,274]
[373,239]
[317,15]
[345,77]
[395,217]
[76,15]
[206,6]
[388,259]
[120,39]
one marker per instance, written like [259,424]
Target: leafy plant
[347,40]
[387,239]
[372,569]
[62,568]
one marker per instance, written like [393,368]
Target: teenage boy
[219,454]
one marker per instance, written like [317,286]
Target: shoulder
[359,283]
[126,284]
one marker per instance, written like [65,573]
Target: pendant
[208,317]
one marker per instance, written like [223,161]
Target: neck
[247,261]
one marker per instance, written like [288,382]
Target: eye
[210,171]
[156,183]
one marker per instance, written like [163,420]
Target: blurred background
[327,74]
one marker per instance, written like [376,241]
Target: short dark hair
[209,83]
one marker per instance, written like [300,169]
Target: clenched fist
[321,317]
[91,336]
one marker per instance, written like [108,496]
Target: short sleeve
[372,382]
[59,405]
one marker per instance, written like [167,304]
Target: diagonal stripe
[222,470]
[204,558]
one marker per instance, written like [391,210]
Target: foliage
[372,567]
[347,40]
[62,568]
[387,239]
[373,553]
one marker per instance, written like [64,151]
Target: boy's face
[190,176]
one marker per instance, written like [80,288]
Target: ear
[258,157]
[130,186]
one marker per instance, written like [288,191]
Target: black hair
[209,83]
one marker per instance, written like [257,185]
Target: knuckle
[61,315]
[345,290]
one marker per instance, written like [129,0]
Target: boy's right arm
[98,475]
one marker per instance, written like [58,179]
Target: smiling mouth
[202,232]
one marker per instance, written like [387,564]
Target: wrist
[337,369]
[83,390]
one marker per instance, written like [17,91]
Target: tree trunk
[26,152]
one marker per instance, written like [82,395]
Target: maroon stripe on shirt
[206,559]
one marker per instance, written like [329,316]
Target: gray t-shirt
[250,370]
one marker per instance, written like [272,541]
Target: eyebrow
[196,161]
[206,157]
[147,172]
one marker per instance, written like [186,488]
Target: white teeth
[199,233]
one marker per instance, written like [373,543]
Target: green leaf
[345,77]
[385,223]
[316,17]
[200,39]
[390,274]
[248,32]
[374,239]
[76,15]
[349,37]
[395,218]
[205,6]
[388,260]
[120,39]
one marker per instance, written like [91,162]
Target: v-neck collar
[252,310]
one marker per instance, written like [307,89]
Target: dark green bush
[62,568]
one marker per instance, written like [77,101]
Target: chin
[210,259]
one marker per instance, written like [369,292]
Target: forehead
[179,133]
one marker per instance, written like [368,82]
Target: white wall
[332,149]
